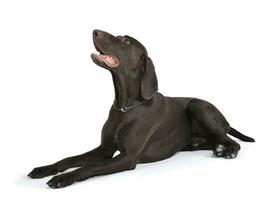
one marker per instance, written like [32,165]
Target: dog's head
[128,58]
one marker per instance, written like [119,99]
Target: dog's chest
[118,126]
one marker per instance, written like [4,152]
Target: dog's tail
[239,135]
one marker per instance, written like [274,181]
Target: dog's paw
[41,172]
[229,151]
[62,180]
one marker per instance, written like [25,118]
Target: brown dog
[143,125]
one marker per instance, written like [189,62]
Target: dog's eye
[126,40]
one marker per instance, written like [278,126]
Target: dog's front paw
[62,180]
[41,172]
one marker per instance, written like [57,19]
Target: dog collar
[126,108]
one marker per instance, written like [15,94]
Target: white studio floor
[196,175]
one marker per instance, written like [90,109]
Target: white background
[223,51]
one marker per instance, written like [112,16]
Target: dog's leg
[199,143]
[216,126]
[98,154]
[119,163]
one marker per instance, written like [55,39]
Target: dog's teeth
[96,52]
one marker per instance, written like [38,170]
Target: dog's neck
[125,96]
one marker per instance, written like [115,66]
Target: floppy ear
[149,84]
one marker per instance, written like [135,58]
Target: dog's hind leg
[97,154]
[215,127]
[198,142]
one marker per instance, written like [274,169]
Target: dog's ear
[149,84]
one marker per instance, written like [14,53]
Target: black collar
[126,108]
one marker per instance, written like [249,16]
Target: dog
[143,125]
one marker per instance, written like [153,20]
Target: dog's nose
[98,33]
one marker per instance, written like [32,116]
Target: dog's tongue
[108,60]
[111,61]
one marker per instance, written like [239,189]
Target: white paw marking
[220,148]
[233,155]
[219,154]
[116,153]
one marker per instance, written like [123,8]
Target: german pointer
[143,125]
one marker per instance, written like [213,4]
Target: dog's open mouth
[109,61]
